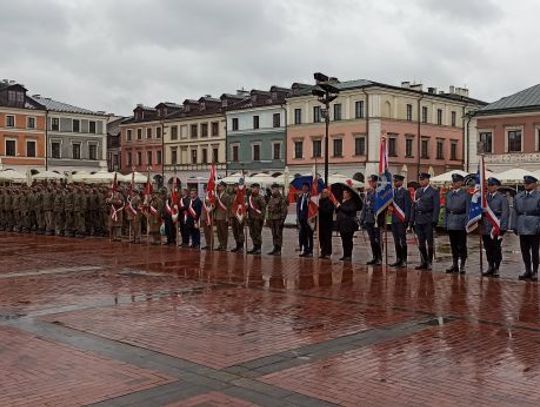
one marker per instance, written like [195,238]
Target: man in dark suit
[401,213]
[306,233]
[424,218]
[194,210]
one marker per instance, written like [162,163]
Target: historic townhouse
[114,151]
[507,132]
[425,130]
[22,129]
[141,139]
[256,132]
[195,138]
[76,137]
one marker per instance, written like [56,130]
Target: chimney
[432,90]
[405,84]
[452,90]
[418,87]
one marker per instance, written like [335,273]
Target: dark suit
[402,199]
[500,208]
[372,224]
[346,220]
[192,221]
[326,224]
[424,217]
[306,233]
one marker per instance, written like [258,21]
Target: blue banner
[475,208]
[384,194]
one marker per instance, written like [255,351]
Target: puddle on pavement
[55,270]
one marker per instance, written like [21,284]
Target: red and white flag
[211,185]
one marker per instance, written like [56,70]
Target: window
[392,147]
[158,132]
[31,122]
[235,123]
[30,148]
[129,159]
[193,156]
[204,129]
[204,156]
[317,148]
[338,147]
[409,112]
[235,155]
[424,114]
[139,134]
[276,151]
[15,97]
[255,122]
[158,157]
[55,124]
[298,149]
[76,126]
[453,151]
[174,156]
[92,127]
[276,120]
[439,117]
[11,149]
[440,148]
[337,111]
[514,141]
[129,133]
[359,109]
[215,129]
[297,116]
[183,131]
[194,131]
[256,152]
[486,137]
[10,121]
[76,151]
[454,119]
[425,148]
[409,147]
[215,155]
[149,157]
[139,158]
[92,151]
[55,150]
[316,114]
[149,132]
[174,132]
[360,146]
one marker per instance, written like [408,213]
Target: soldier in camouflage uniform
[276,213]
[221,215]
[79,211]
[133,214]
[8,207]
[69,211]
[238,220]
[58,210]
[47,205]
[3,193]
[115,203]
[256,213]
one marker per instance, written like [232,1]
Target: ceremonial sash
[252,206]
[221,204]
[131,208]
[168,207]
[400,214]
[191,211]
[114,212]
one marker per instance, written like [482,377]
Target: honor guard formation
[81,210]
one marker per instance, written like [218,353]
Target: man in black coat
[326,224]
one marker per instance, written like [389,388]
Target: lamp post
[325,91]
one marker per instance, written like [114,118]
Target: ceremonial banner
[475,208]
[384,194]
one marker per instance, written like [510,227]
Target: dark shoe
[237,248]
[257,252]
[347,259]
[525,275]
[429,267]
[397,263]
[453,268]
[495,273]
[308,254]
[378,262]
[422,266]
[534,276]
[274,250]
[323,256]
[489,272]
[371,262]
[252,251]
[462,267]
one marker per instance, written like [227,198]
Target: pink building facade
[425,130]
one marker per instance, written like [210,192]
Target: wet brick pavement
[87,322]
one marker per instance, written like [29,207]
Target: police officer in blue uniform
[401,215]
[370,223]
[498,204]
[526,224]
[457,209]
[424,219]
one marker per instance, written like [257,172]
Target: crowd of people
[181,216]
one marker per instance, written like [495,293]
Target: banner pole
[386,240]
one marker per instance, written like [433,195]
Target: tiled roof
[56,106]
[527,98]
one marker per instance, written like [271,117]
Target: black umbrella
[338,188]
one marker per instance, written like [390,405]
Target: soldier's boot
[496,267]
[534,275]
[489,272]
[454,267]
[257,250]
[526,274]
[253,250]
[404,256]
[398,262]
[430,257]
[462,266]
[278,251]
[273,251]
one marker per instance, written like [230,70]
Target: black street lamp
[326,92]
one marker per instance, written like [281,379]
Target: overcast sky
[112,54]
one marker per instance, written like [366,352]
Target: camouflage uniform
[47,205]
[59,213]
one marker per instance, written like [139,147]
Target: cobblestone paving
[86,321]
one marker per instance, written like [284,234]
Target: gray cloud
[110,55]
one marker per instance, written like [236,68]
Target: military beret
[398,177]
[529,179]
[274,185]
[493,181]
[373,178]
[255,185]
[457,177]
[424,175]
[223,183]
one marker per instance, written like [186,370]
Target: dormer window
[15,96]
